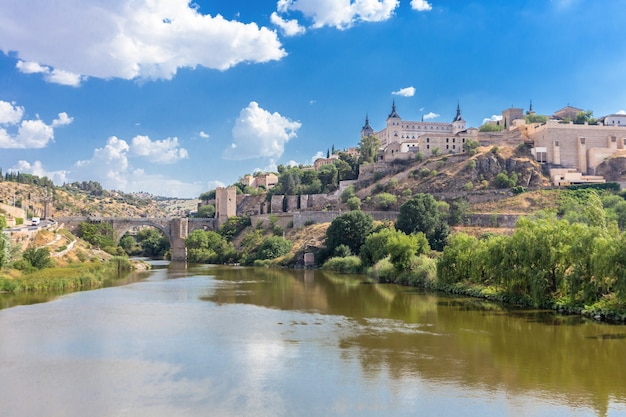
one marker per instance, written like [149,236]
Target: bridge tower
[225,204]
[179,232]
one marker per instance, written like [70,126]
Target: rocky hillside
[72,201]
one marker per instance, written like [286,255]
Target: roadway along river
[217,341]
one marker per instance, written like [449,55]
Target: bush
[385,201]
[347,265]
[354,203]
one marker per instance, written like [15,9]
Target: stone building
[403,139]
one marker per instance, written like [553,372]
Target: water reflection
[468,342]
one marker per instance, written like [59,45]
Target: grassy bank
[74,277]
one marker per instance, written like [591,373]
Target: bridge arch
[175,229]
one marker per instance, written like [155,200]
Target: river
[228,341]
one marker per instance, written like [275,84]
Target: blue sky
[175,97]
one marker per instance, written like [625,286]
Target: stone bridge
[176,229]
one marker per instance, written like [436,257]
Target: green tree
[206,211]
[585,117]
[207,196]
[536,118]
[328,175]
[354,203]
[209,247]
[38,258]
[349,229]
[274,247]
[153,243]
[385,201]
[470,146]
[368,149]
[421,214]
[403,248]
[375,247]
[488,127]
[100,235]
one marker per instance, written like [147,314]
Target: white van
[35,221]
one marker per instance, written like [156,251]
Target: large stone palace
[571,152]
[404,138]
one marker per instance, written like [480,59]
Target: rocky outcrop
[613,169]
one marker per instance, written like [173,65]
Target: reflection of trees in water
[405,332]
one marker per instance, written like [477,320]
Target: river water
[226,341]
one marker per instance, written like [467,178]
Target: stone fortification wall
[283,220]
[277,204]
[367,171]
[292,202]
[309,217]
[491,220]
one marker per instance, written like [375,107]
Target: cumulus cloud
[340,14]
[259,133]
[431,115]
[10,113]
[166,151]
[203,134]
[36,168]
[55,76]
[26,134]
[110,165]
[289,27]
[405,92]
[494,118]
[421,5]
[143,39]
[621,112]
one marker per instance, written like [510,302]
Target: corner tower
[458,124]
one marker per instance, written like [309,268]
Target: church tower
[367,129]
[394,126]
[458,124]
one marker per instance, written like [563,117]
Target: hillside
[73,201]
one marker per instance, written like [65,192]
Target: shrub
[354,203]
[385,201]
[347,265]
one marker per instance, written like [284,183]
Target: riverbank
[69,278]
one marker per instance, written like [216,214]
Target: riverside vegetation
[567,256]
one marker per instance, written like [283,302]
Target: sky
[176,97]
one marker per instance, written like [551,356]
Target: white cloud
[289,27]
[621,112]
[259,133]
[166,151]
[204,135]
[110,166]
[494,118]
[26,134]
[63,120]
[405,92]
[55,76]
[340,13]
[31,67]
[10,113]
[36,168]
[144,39]
[318,155]
[421,5]
[431,115]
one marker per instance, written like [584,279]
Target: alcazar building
[403,139]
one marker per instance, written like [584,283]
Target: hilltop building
[403,139]
[266,180]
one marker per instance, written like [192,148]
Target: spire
[367,123]
[458,117]
[530,110]
[393,111]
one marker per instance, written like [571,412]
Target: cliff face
[613,169]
